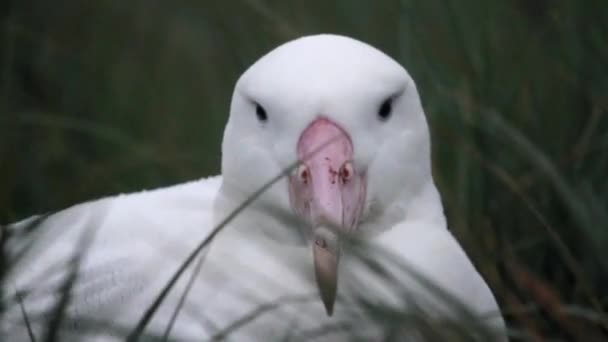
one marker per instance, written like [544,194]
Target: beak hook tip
[329,307]
[326,272]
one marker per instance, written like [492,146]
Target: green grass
[118,96]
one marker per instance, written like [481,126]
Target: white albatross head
[353,116]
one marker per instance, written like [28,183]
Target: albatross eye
[386,109]
[260,112]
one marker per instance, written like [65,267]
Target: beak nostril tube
[321,242]
[303,174]
[346,172]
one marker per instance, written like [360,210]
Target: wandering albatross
[353,118]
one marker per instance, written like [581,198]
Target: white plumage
[264,256]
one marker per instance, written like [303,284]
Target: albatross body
[344,246]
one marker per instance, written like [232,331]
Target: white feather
[141,239]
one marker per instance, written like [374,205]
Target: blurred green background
[102,97]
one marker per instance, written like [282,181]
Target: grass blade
[26,319]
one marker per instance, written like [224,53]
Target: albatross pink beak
[328,193]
